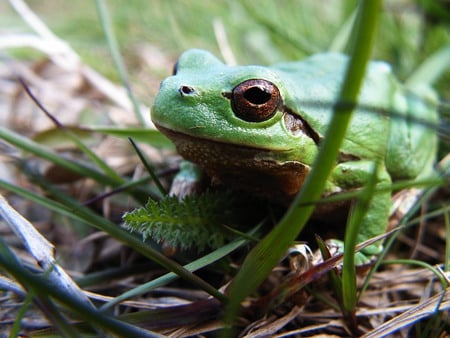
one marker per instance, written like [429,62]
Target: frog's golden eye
[255,100]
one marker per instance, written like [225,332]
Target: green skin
[271,155]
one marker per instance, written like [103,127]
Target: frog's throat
[242,167]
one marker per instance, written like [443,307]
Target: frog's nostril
[186,90]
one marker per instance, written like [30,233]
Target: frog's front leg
[189,180]
[354,175]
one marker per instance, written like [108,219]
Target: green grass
[277,31]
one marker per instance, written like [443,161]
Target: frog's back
[413,140]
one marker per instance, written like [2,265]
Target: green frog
[258,129]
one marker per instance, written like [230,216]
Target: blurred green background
[259,32]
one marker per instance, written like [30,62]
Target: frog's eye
[255,100]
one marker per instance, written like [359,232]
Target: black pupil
[257,95]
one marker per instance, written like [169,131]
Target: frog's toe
[362,260]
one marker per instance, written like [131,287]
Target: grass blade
[28,145]
[431,69]
[114,48]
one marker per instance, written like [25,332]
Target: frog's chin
[177,136]
[246,168]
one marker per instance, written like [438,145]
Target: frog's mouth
[247,168]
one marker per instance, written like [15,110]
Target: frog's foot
[362,259]
[188,181]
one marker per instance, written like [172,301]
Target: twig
[41,249]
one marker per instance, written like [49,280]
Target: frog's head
[244,105]
[223,116]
